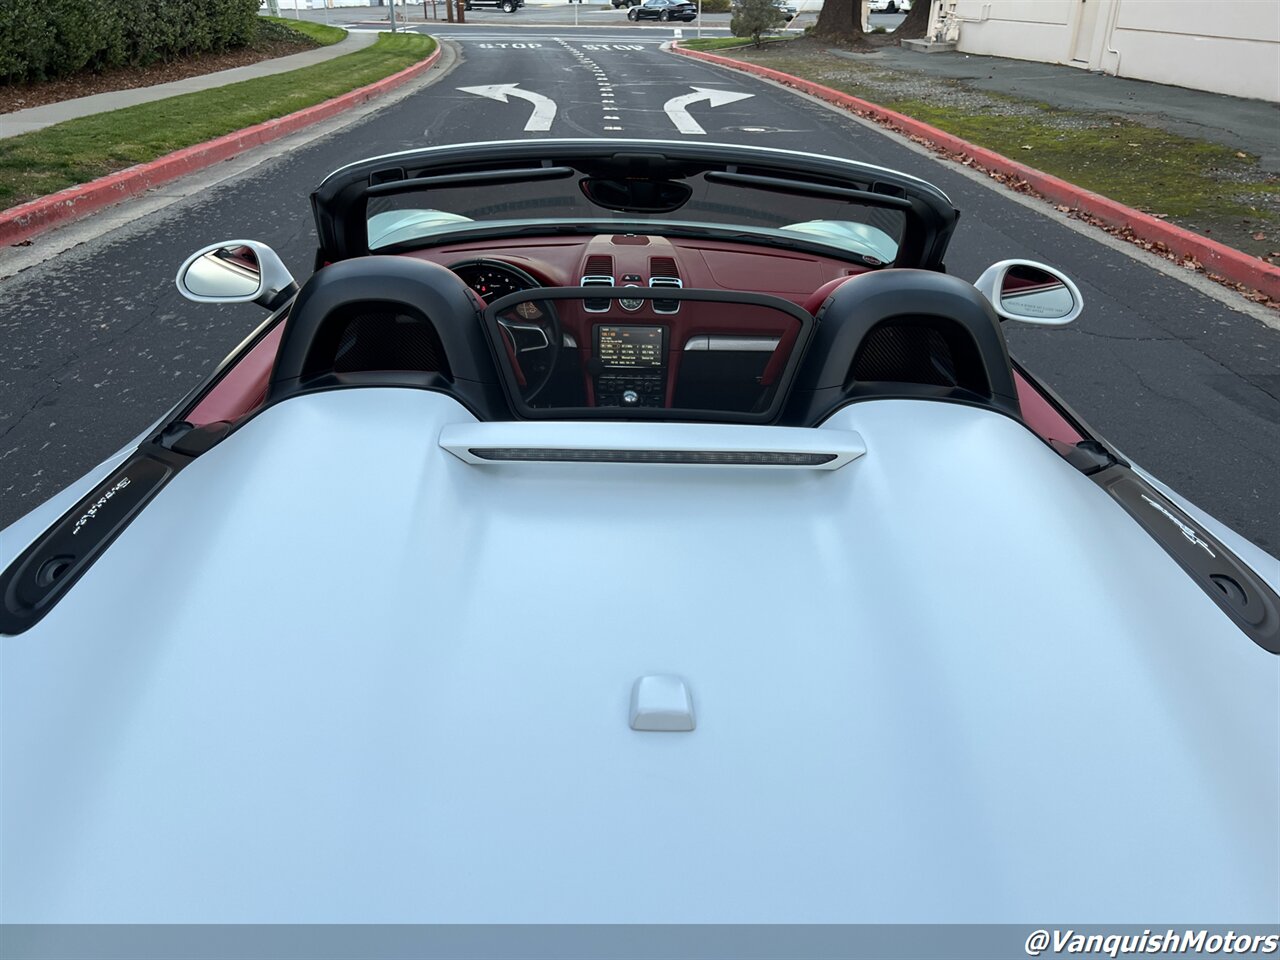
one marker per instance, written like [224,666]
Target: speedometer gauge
[493,279]
[490,282]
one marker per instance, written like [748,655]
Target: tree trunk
[916,25]
[840,20]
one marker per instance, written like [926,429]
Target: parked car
[889,6]
[621,532]
[664,10]
[506,6]
[618,4]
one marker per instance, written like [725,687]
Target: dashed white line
[603,84]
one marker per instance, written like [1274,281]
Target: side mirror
[1031,292]
[236,271]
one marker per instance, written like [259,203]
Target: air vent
[664,274]
[599,273]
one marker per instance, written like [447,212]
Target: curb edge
[30,219]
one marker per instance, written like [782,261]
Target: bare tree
[916,25]
[840,20]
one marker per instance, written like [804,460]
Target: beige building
[1227,46]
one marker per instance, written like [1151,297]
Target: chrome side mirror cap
[1031,292]
[236,271]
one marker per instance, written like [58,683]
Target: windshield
[778,209]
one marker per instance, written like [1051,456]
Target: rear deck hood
[334,673]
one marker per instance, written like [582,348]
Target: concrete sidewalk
[36,118]
[1249,125]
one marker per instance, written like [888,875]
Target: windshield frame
[340,203]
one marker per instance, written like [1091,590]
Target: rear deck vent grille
[751,458]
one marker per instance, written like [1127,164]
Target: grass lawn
[321,33]
[1206,187]
[45,161]
[719,43]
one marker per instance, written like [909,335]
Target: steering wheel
[531,330]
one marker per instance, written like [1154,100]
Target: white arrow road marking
[677,107]
[544,108]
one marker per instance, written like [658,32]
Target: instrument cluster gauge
[491,280]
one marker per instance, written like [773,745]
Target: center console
[631,365]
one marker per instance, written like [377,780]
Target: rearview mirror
[236,271]
[636,195]
[1030,292]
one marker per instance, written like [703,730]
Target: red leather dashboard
[714,265]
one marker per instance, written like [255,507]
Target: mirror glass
[1034,294]
[638,195]
[225,272]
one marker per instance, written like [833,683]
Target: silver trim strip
[733,344]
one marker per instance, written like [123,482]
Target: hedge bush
[46,39]
[716,6]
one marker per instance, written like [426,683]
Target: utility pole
[393,16]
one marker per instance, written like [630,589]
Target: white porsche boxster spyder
[628,531]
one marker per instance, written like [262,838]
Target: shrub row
[45,39]
[716,6]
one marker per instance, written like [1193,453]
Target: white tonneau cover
[333,673]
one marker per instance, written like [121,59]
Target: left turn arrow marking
[544,108]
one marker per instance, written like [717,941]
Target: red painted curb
[29,219]
[1216,258]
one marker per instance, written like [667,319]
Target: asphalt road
[98,343]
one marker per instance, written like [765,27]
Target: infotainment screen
[635,347]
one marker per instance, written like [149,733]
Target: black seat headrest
[425,314]
[904,333]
